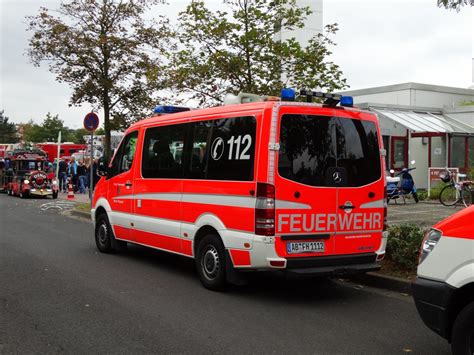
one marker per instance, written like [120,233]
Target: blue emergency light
[346,101]
[288,94]
[163,109]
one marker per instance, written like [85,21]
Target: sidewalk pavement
[422,214]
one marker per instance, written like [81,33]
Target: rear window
[313,147]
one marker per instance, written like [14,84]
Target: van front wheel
[104,234]
[462,339]
[211,263]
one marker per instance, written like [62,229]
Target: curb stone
[81,214]
[378,280]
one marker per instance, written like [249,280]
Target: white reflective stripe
[272,139]
[212,199]
[158,225]
[221,200]
[121,219]
[281,204]
[209,199]
[151,196]
[373,204]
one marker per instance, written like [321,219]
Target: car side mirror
[102,168]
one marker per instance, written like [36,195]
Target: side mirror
[102,168]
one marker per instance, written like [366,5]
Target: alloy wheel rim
[210,263]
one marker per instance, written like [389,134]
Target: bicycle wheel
[466,195]
[448,195]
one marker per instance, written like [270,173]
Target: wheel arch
[201,233]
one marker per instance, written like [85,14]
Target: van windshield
[312,147]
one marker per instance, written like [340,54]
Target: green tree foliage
[455,4]
[49,129]
[105,51]
[7,130]
[222,52]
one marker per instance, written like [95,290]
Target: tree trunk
[107,146]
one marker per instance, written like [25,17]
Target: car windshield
[30,165]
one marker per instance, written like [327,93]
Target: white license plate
[305,247]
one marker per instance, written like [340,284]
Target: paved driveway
[424,214]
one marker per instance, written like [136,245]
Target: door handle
[346,207]
[128,184]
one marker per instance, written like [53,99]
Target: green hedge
[403,245]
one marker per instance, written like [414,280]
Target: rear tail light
[265,210]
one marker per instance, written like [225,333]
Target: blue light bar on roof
[347,101]
[288,94]
[163,109]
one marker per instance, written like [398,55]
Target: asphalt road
[59,295]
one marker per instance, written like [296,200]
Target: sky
[380,42]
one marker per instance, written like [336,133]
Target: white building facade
[426,123]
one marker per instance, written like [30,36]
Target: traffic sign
[91,122]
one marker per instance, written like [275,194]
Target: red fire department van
[67,149]
[267,185]
[444,288]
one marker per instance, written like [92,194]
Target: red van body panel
[169,213]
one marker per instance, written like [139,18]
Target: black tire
[466,195]
[211,263]
[104,234]
[448,195]
[23,194]
[462,338]
[55,195]
[415,197]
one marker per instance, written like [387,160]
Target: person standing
[95,174]
[82,177]
[62,175]
[72,172]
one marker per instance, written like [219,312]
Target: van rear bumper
[333,265]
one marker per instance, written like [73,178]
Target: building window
[458,152]
[399,152]
[471,153]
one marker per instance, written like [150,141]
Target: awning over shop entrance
[424,122]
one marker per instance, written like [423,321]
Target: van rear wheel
[211,263]
[462,339]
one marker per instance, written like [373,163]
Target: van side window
[163,151]
[124,158]
[223,149]
[201,135]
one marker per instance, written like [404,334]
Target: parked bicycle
[455,192]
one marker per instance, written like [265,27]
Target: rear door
[306,197]
[360,197]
